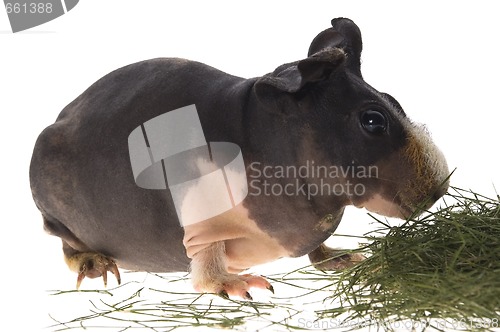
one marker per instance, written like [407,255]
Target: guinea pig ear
[319,66]
[343,34]
[292,77]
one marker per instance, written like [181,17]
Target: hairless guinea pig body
[316,115]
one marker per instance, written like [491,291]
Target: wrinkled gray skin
[82,181]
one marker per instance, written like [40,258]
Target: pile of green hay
[441,270]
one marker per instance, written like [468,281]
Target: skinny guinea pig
[315,112]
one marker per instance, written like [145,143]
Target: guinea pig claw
[224,294]
[248,296]
[105,278]
[114,269]
[79,279]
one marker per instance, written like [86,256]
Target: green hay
[132,306]
[441,270]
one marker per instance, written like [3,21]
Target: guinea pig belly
[246,245]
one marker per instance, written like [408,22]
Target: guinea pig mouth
[388,208]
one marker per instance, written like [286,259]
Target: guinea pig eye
[374,122]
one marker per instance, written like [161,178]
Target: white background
[439,59]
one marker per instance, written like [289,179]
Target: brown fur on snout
[429,165]
[412,178]
[428,169]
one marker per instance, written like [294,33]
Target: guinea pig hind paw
[93,265]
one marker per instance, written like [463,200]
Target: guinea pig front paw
[227,285]
[328,259]
[209,274]
[92,265]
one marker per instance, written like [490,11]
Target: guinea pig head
[362,137]
[402,172]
